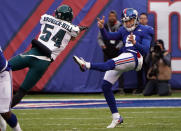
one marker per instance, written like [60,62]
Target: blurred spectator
[141,75]
[159,72]
[111,48]
[143,19]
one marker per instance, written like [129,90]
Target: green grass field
[135,119]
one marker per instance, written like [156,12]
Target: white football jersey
[56,34]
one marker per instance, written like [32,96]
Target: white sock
[2,124]
[115,115]
[88,65]
[17,128]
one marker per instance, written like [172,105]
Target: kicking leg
[124,62]
[108,65]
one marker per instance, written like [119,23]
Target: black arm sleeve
[167,59]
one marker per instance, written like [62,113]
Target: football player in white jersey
[56,32]
[6,97]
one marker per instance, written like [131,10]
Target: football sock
[87,64]
[109,96]
[12,121]
[116,115]
[108,65]
[17,128]
[18,96]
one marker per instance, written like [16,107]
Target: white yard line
[83,118]
[133,112]
[99,108]
[172,98]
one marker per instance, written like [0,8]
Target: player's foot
[115,122]
[17,128]
[81,62]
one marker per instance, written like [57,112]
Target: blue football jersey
[141,35]
[150,30]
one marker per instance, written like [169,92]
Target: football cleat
[115,122]
[2,124]
[81,62]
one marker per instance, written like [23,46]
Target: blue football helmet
[128,14]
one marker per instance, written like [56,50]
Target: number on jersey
[128,43]
[57,38]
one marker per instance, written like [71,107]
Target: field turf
[135,119]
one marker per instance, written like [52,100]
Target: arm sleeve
[3,62]
[100,39]
[111,35]
[167,59]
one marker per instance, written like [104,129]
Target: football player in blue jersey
[136,42]
[6,97]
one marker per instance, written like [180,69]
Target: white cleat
[17,128]
[81,62]
[115,122]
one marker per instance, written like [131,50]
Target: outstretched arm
[110,35]
[107,35]
[81,28]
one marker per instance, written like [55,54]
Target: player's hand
[82,28]
[100,22]
[131,39]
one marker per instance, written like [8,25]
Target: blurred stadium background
[20,24]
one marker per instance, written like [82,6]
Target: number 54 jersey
[56,34]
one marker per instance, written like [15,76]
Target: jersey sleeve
[167,59]
[75,31]
[111,35]
[3,62]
